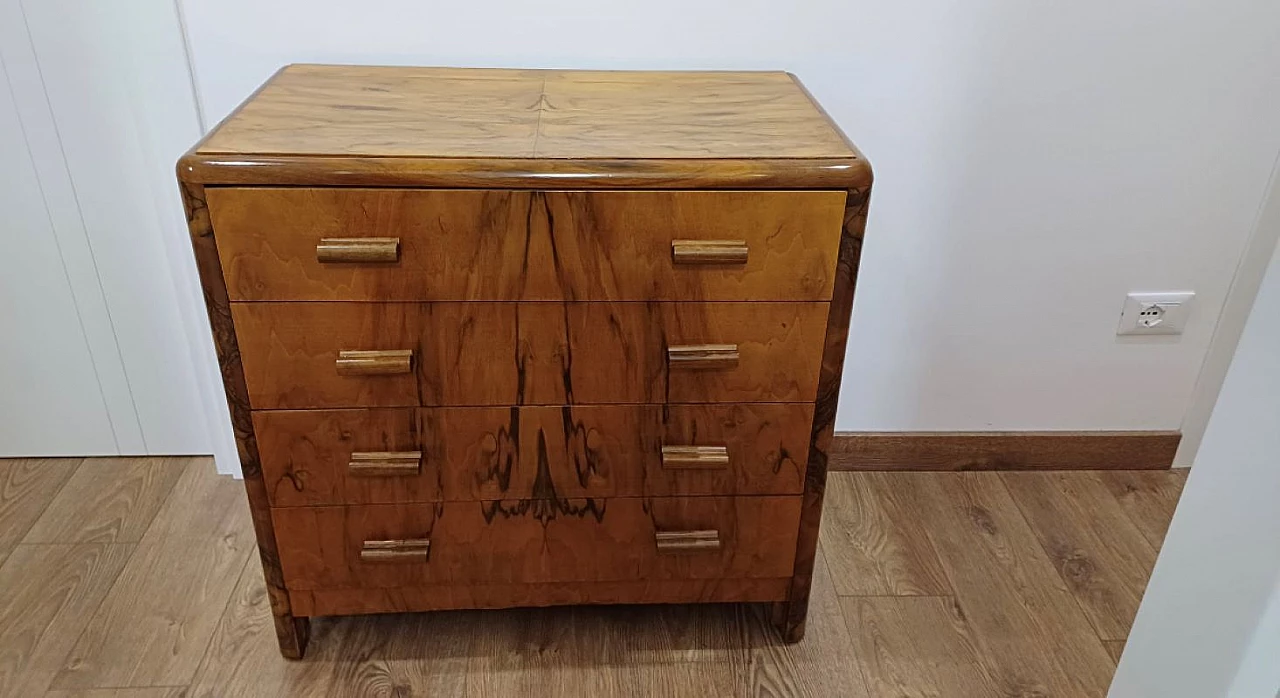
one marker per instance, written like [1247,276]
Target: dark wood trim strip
[291,631]
[343,602]
[1004,450]
[790,615]
[461,173]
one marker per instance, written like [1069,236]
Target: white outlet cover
[1175,304]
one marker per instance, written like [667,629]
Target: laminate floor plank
[1103,558]
[1114,648]
[47,594]
[156,622]
[531,652]
[1148,498]
[27,485]
[874,542]
[243,659]
[1032,635]
[911,646]
[150,692]
[108,500]
[822,664]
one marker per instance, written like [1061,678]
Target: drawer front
[406,244]
[393,455]
[524,541]
[316,355]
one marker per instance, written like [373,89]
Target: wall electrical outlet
[1155,313]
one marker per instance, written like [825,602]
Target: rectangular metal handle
[409,550]
[699,356]
[385,463]
[358,250]
[374,363]
[695,457]
[709,251]
[684,541]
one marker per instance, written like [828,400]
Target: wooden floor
[137,578]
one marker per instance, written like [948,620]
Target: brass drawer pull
[682,541]
[411,550]
[385,463]
[374,363]
[358,250]
[709,251]
[695,457]
[703,356]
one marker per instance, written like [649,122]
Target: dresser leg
[292,632]
[790,626]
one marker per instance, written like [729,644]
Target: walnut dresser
[498,338]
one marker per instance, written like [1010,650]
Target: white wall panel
[50,401]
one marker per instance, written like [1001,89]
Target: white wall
[1209,623]
[1034,162]
[106,107]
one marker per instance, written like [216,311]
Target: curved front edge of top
[336,170]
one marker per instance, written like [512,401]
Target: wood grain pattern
[528,452]
[875,541]
[290,630]
[1115,648]
[824,664]
[1005,450]
[155,623]
[512,245]
[386,111]
[537,541]
[367,250]
[916,646]
[152,692]
[706,649]
[442,597]
[26,488]
[47,594]
[619,351]
[527,353]
[1148,499]
[1032,636]
[791,616]
[107,500]
[597,131]
[1103,559]
[242,660]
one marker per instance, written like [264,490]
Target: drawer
[527,353]
[392,455]
[529,541]
[415,244]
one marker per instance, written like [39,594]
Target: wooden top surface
[458,112]
[390,125]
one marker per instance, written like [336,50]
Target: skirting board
[1003,450]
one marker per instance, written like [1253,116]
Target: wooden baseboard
[1003,450]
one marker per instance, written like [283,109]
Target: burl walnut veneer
[497,338]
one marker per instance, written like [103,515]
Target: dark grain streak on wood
[791,616]
[291,631]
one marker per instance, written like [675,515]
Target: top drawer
[526,245]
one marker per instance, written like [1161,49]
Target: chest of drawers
[497,338]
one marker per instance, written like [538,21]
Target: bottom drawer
[535,541]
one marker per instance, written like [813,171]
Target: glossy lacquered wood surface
[538,541]
[383,126]
[447,112]
[527,353]
[520,245]
[477,453]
